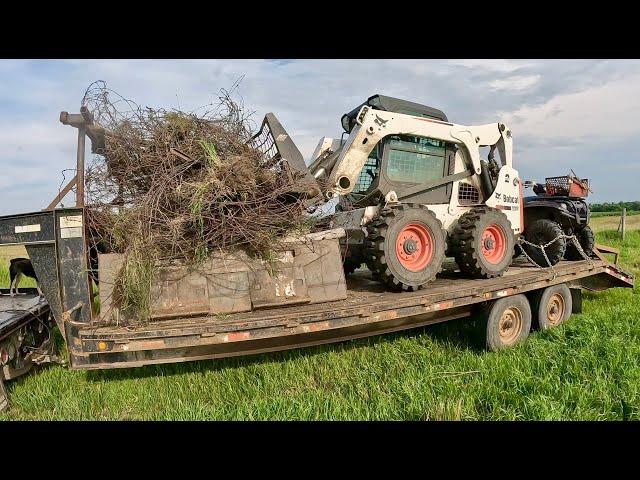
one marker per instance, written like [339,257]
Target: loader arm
[342,167]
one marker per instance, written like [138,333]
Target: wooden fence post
[623,222]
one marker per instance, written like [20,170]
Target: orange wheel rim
[494,243]
[414,247]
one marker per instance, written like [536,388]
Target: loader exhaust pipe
[488,183]
[485,179]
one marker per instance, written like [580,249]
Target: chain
[573,238]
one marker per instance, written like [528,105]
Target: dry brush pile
[175,186]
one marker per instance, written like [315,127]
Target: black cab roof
[390,104]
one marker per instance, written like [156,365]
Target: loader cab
[401,162]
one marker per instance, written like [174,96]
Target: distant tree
[615,206]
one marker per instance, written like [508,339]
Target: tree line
[615,206]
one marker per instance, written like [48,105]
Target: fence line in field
[622,226]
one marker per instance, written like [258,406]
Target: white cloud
[492,65]
[605,113]
[515,83]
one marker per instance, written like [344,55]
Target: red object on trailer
[567,186]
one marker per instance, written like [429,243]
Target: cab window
[368,173]
[413,159]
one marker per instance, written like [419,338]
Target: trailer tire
[483,243]
[406,246]
[551,306]
[506,322]
[587,241]
[4,396]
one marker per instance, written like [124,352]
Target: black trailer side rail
[367,311]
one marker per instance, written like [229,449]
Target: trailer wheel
[506,322]
[406,247]
[483,243]
[551,306]
[4,397]
[587,241]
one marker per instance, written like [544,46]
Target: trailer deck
[368,310]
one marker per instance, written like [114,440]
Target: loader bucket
[276,145]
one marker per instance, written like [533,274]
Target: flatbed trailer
[56,243]
[368,310]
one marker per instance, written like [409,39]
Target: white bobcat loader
[411,186]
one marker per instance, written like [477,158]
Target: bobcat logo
[380,121]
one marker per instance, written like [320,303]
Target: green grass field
[587,369]
[613,214]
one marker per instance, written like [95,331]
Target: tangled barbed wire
[177,186]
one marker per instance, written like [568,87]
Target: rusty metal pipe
[80,168]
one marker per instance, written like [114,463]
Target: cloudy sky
[580,114]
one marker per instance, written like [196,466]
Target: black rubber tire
[541,232]
[353,259]
[375,276]
[517,251]
[490,323]
[381,240]
[587,241]
[350,266]
[466,243]
[543,317]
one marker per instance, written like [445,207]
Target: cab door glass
[368,173]
[413,159]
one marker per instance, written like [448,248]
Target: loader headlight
[563,205]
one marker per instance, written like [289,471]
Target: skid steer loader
[412,188]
